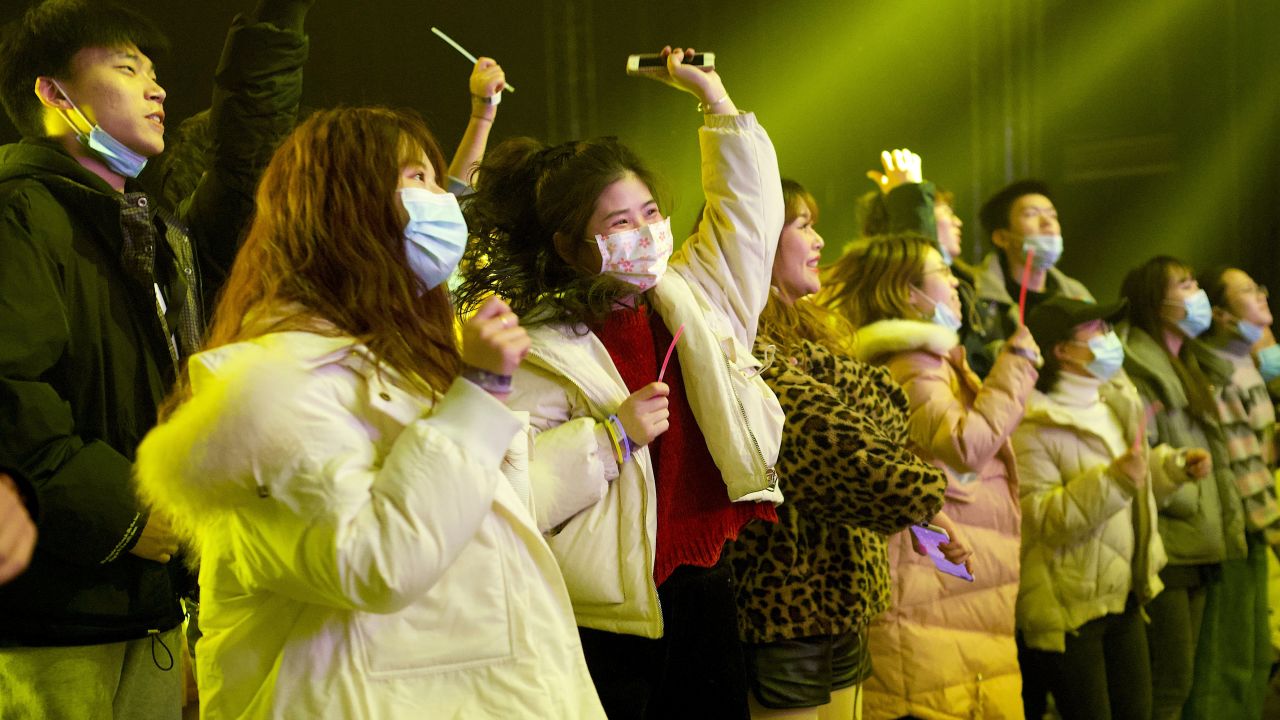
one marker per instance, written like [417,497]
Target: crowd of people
[336,428]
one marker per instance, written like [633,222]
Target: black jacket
[84,361]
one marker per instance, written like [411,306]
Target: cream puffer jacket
[945,648]
[604,516]
[1080,548]
[362,553]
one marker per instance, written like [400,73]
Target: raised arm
[486,84]
[257,88]
[730,257]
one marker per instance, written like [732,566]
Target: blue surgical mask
[115,154]
[946,256]
[1250,332]
[1199,314]
[942,314]
[1048,249]
[1269,362]
[1108,355]
[435,236]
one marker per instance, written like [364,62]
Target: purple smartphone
[930,537]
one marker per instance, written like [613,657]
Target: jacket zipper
[770,473]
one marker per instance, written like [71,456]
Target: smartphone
[930,537]
[656,64]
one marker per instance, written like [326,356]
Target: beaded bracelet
[706,107]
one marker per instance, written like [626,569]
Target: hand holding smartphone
[656,63]
[927,538]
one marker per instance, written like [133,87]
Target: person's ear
[47,90]
[564,248]
[1060,352]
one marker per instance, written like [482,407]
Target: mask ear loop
[65,115]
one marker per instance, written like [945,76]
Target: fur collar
[887,337]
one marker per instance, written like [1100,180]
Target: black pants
[1105,672]
[695,670]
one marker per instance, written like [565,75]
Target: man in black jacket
[101,301]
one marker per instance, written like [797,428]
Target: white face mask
[637,256]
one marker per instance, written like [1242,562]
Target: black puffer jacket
[84,362]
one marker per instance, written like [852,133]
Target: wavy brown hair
[873,279]
[326,250]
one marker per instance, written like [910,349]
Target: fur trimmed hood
[886,337]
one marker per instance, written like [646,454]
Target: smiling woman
[640,481]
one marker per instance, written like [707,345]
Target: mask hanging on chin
[942,315]
[1048,249]
[1249,332]
[435,236]
[637,256]
[115,154]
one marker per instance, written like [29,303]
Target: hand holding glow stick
[440,34]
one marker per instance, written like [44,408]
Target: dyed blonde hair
[873,279]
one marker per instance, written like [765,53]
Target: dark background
[1154,122]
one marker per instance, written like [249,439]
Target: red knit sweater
[695,516]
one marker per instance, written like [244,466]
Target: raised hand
[900,167]
[705,85]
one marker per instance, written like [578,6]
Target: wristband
[489,382]
[704,107]
[1025,353]
[622,447]
[493,99]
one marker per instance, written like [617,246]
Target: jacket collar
[1117,394]
[990,281]
[1144,357]
[886,337]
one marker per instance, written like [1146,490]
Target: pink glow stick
[1022,296]
[670,349]
[1148,414]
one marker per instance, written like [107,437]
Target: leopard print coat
[850,479]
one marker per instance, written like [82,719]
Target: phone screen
[930,538]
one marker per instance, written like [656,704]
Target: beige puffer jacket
[945,648]
[1080,549]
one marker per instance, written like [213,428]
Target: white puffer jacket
[1079,543]
[717,284]
[362,554]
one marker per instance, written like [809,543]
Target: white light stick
[440,34]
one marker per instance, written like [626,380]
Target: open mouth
[157,118]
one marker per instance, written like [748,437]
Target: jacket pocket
[463,620]
[589,550]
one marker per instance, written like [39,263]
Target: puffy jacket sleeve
[337,527]
[964,438]
[571,463]
[1060,509]
[257,90]
[854,472]
[730,257]
[88,512]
